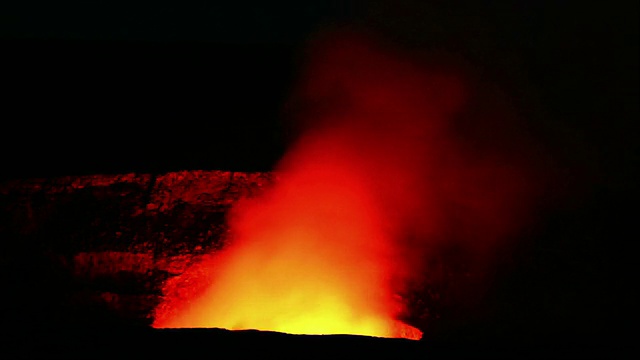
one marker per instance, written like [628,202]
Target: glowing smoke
[382,175]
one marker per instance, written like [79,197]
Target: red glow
[364,195]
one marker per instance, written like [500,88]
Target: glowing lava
[309,257]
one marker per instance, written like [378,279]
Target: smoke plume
[399,161]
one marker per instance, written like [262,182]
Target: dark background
[114,87]
[134,86]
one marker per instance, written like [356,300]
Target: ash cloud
[450,169]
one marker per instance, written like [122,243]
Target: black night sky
[117,86]
[137,86]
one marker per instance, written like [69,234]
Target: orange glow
[310,257]
[378,179]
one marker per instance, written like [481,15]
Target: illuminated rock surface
[84,259]
[97,249]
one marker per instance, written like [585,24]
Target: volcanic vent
[399,187]
[377,181]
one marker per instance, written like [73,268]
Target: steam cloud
[399,160]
